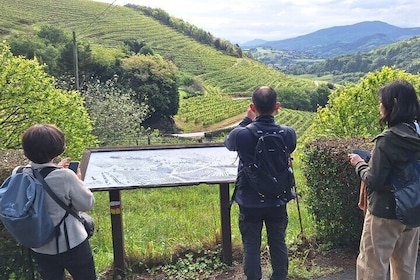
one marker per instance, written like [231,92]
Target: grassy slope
[101,23]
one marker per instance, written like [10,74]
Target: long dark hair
[400,102]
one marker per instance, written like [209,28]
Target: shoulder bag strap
[54,196]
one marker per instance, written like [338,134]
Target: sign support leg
[117,231]
[226,223]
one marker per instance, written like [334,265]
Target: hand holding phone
[73,165]
[365,155]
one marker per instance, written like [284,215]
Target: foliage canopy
[352,110]
[154,82]
[28,96]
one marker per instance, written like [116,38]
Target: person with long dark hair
[386,243]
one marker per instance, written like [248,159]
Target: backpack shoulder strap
[254,129]
[258,131]
[20,169]
[47,170]
[54,196]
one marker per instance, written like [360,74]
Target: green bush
[14,259]
[15,262]
[333,190]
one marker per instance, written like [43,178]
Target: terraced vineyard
[246,74]
[204,111]
[100,23]
[207,110]
[299,120]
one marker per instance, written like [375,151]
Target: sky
[240,21]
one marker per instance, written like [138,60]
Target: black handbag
[406,187]
[88,223]
[407,195]
[84,218]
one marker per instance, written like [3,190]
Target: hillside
[333,41]
[108,25]
[402,55]
[100,23]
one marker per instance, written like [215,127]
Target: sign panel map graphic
[160,167]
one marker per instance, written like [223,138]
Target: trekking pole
[299,215]
[297,198]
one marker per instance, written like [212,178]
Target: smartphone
[365,155]
[73,165]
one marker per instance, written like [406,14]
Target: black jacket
[391,154]
[243,141]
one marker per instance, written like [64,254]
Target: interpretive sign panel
[158,166]
[124,168]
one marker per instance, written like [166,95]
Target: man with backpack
[258,171]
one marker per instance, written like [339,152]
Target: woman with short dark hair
[70,250]
[386,242]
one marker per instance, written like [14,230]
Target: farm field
[106,25]
[205,112]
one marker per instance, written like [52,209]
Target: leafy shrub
[14,259]
[24,82]
[333,189]
[352,110]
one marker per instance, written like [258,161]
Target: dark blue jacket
[242,140]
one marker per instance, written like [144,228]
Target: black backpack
[270,174]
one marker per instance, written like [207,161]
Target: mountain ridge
[338,40]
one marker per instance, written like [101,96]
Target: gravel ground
[349,272]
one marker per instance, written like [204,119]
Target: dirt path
[230,122]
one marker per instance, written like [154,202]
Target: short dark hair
[264,99]
[400,102]
[43,142]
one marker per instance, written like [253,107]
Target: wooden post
[76,61]
[117,232]
[226,223]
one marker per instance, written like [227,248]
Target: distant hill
[403,55]
[253,43]
[338,40]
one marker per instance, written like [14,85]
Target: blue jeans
[77,261]
[250,225]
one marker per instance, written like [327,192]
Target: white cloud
[243,20]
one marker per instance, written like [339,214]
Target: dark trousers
[250,225]
[77,261]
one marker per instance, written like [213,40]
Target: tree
[116,115]
[28,96]
[66,60]
[46,46]
[319,97]
[154,82]
[294,99]
[134,45]
[53,35]
[352,110]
